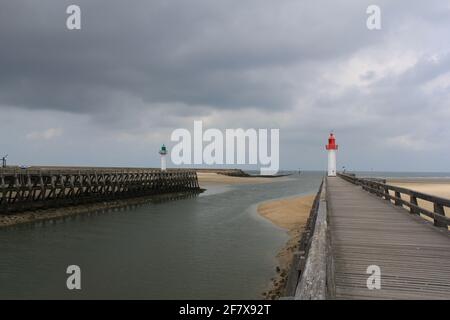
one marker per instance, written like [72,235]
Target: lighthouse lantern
[332,148]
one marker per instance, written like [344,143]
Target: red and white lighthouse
[332,148]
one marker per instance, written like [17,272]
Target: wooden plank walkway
[413,255]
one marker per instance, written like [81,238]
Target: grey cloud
[143,67]
[228,54]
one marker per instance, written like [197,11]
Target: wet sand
[290,214]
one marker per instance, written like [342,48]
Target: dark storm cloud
[138,69]
[228,54]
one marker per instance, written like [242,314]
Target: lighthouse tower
[163,153]
[332,148]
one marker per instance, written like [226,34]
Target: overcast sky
[111,93]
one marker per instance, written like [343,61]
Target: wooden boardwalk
[413,255]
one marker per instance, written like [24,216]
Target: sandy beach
[205,178]
[290,214]
[435,187]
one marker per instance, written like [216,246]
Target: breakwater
[49,187]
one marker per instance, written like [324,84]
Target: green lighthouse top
[163,150]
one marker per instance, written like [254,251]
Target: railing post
[397,195]
[386,193]
[380,190]
[413,201]
[363,185]
[439,209]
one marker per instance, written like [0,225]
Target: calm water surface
[213,246]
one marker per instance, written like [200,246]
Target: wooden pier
[46,187]
[361,223]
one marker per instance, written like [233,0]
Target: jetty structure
[366,239]
[25,189]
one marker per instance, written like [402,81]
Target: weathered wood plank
[314,282]
[413,255]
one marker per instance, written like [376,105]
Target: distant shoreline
[205,178]
[434,180]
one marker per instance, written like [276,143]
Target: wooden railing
[31,189]
[309,277]
[384,190]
